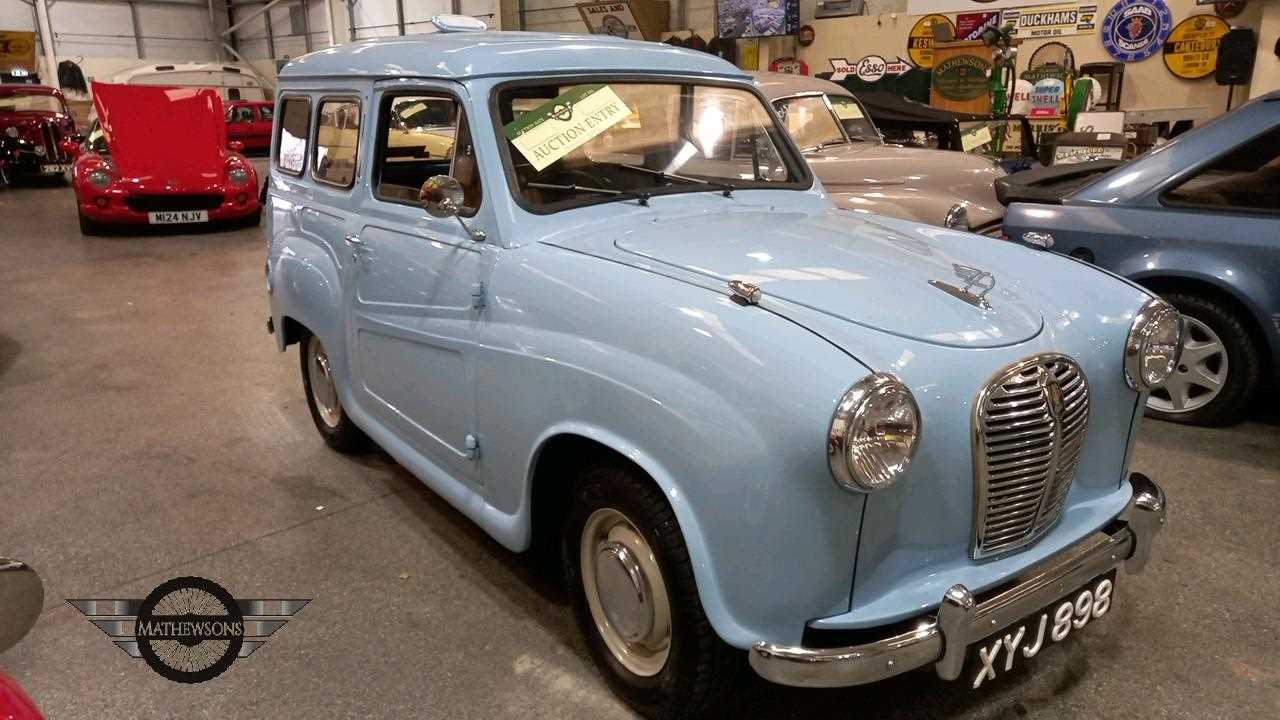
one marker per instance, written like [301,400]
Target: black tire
[701,670]
[90,227]
[342,435]
[1244,363]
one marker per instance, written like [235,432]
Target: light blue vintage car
[588,291]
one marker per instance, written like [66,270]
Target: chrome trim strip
[943,637]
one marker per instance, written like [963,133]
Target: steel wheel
[625,592]
[324,388]
[1201,375]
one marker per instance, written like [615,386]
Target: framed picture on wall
[757,18]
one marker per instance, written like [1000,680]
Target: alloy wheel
[1199,377]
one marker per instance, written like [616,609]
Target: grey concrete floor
[149,429]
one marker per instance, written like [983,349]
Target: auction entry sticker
[560,126]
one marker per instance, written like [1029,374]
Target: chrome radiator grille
[1029,425]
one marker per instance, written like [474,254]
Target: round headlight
[99,178]
[11,132]
[1154,346]
[238,176]
[874,434]
[39,150]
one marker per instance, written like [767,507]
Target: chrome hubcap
[1199,377]
[323,390]
[625,592]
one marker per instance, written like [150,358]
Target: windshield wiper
[725,188]
[827,144]
[637,195]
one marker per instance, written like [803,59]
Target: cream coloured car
[862,172]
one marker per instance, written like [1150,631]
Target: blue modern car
[588,290]
[1197,221]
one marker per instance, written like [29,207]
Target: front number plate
[999,654]
[177,217]
[54,169]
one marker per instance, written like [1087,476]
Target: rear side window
[295,119]
[337,141]
[1247,178]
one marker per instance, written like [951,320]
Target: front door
[417,290]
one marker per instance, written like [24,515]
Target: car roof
[1135,179]
[459,55]
[776,85]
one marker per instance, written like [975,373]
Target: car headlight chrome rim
[874,434]
[957,217]
[1154,346]
[11,132]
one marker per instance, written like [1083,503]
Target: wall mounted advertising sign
[962,77]
[1052,21]
[1135,29]
[1046,97]
[1192,48]
[789,65]
[920,39]
[610,18]
[17,50]
[870,68]
[970,26]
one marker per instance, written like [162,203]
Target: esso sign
[870,68]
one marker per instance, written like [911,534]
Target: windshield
[574,144]
[809,121]
[856,123]
[23,102]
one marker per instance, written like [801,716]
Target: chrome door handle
[354,240]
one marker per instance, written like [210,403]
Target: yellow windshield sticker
[975,137]
[846,110]
[560,126]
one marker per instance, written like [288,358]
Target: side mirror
[235,146]
[442,196]
[22,597]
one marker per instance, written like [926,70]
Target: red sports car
[249,123]
[158,155]
[39,134]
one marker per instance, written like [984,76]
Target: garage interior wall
[100,35]
[106,36]
[883,31]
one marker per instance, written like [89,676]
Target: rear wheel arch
[292,331]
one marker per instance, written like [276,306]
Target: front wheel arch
[552,468]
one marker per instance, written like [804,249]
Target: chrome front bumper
[942,638]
